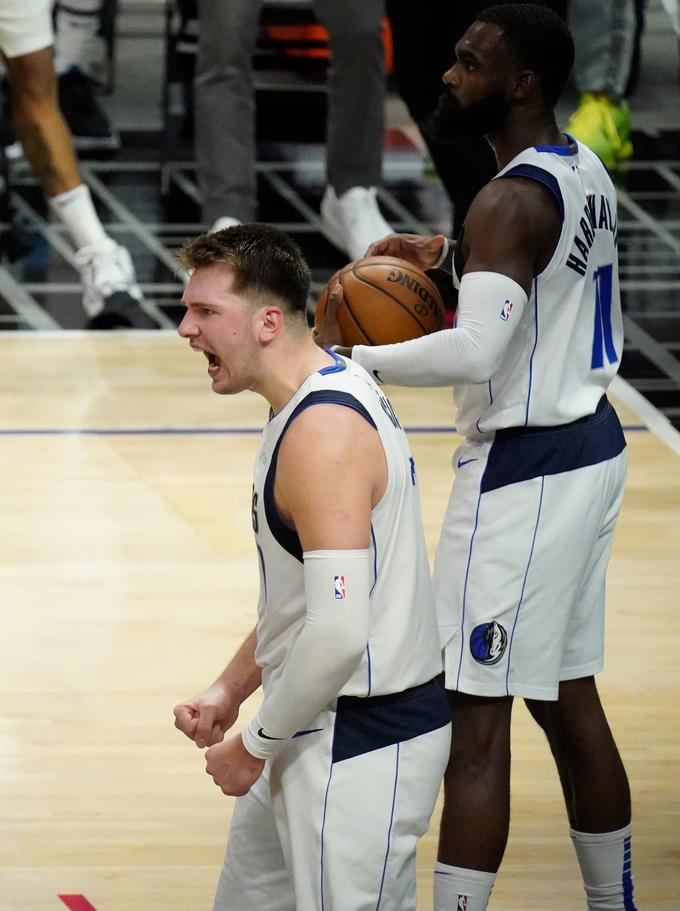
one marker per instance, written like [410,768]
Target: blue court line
[191,431]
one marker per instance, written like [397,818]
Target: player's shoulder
[517,208]
[328,428]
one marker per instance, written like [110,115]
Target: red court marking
[77,903]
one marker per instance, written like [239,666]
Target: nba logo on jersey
[462,903]
[340,593]
[506,310]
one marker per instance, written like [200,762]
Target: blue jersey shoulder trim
[287,538]
[557,150]
[337,367]
[540,175]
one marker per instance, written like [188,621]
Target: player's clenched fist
[207,718]
[232,767]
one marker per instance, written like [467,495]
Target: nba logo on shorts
[487,642]
[506,310]
[339,583]
[462,903]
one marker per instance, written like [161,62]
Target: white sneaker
[106,269]
[225,221]
[353,220]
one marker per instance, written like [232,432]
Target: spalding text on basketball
[429,305]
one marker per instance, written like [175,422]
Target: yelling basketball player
[338,773]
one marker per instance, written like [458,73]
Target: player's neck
[522,134]
[287,367]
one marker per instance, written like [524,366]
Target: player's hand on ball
[416,249]
[207,718]
[328,332]
[232,767]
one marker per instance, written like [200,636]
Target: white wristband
[444,252]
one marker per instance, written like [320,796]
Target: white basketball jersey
[403,645]
[567,346]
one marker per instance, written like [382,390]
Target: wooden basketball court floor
[127,578]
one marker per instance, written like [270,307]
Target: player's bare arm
[206,718]
[331,473]
[512,228]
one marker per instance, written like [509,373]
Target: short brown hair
[264,260]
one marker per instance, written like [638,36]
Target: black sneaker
[89,125]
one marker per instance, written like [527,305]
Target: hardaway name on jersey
[567,345]
[403,643]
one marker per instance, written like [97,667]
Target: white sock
[605,862]
[456,889]
[76,24]
[76,210]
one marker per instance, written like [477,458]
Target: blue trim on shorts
[521,453]
[364,724]
[389,830]
[524,582]
[465,585]
[287,537]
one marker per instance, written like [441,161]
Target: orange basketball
[385,300]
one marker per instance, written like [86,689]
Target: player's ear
[525,83]
[269,321]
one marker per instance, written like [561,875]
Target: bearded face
[452,121]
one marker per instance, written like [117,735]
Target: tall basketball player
[338,773]
[520,568]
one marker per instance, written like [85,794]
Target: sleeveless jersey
[566,348]
[403,645]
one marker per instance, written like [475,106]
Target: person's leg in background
[224,105]
[106,269]
[76,26]
[357,87]
[604,38]
[477,798]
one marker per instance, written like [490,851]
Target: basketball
[385,300]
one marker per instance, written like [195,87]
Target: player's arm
[510,231]
[206,718]
[331,471]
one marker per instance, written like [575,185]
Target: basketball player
[520,567]
[106,269]
[338,773]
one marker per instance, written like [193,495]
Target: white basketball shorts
[333,822]
[520,567]
[25,26]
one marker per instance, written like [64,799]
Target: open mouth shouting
[214,363]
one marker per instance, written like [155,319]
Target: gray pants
[604,37]
[224,99]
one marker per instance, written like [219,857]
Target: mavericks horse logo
[487,642]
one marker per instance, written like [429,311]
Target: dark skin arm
[513,227]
